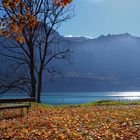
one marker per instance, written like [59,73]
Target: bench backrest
[13,100]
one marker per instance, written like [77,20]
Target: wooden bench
[16,103]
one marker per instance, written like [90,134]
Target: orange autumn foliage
[89,122]
[63,2]
[18,22]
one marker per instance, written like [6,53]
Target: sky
[101,17]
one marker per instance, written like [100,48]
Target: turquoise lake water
[76,98]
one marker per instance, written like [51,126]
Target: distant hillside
[106,63]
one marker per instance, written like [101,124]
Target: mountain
[106,63]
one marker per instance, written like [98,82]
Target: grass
[114,102]
[102,102]
[100,120]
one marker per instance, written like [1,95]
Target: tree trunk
[33,84]
[39,87]
[32,74]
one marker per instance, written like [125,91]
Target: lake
[77,98]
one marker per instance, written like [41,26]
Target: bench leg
[22,111]
[27,110]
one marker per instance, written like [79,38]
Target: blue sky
[96,17]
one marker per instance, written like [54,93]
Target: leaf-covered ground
[72,123]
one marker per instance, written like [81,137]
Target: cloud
[70,36]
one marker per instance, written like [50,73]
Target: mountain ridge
[101,36]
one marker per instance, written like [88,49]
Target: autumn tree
[31,25]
